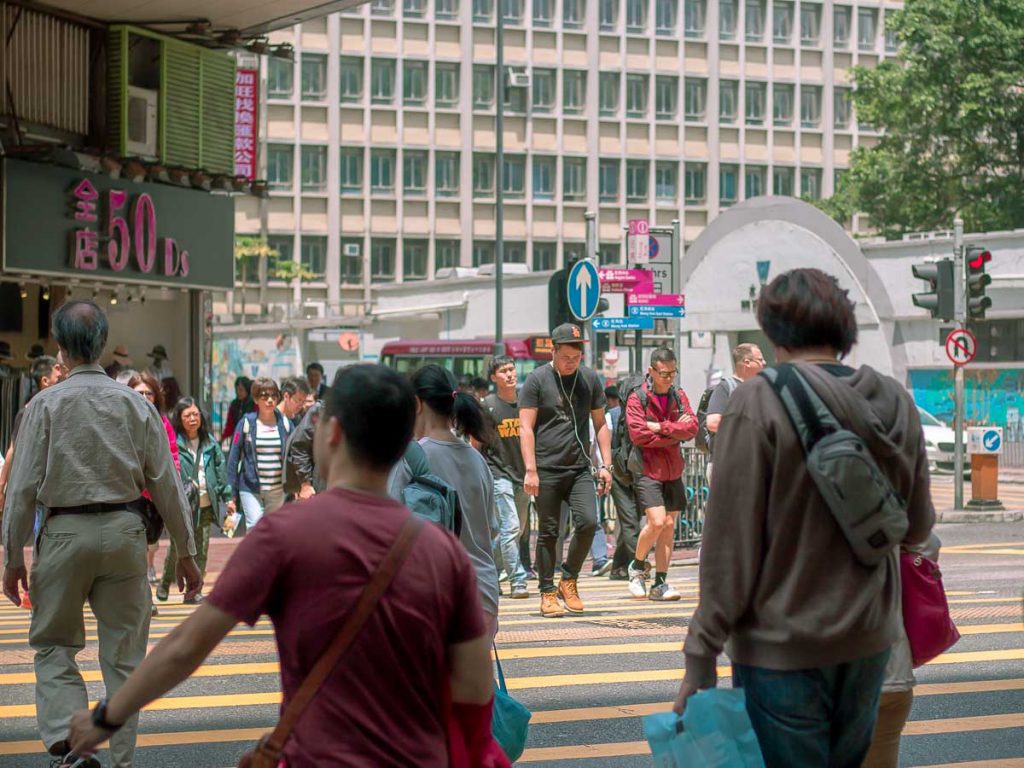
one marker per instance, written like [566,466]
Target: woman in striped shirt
[256,462]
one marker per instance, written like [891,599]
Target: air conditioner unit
[314,310]
[142,122]
[351,250]
[518,78]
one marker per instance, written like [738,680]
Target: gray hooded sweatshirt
[780,587]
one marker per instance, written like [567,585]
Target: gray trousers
[100,558]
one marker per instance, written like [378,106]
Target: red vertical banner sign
[246,107]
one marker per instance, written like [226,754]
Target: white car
[939,441]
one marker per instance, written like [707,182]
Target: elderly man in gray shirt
[89,448]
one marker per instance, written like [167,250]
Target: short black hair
[42,367]
[612,392]
[806,308]
[80,328]
[294,384]
[498,362]
[437,388]
[376,408]
[478,382]
[662,355]
[315,367]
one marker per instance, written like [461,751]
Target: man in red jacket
[659,418]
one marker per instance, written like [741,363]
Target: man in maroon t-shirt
[305,566]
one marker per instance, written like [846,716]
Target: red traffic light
[980,259]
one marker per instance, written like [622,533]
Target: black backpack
[704,438]
[627,460]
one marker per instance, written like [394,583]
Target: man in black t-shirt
[747,362]
[505,459]
[555,406]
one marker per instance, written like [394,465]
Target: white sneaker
[637,582]
[663,592]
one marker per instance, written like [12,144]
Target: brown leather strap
[368,600]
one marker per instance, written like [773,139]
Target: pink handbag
[926,618]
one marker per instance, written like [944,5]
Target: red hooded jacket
[663,460]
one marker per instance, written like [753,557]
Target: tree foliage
[951,112]
[249,249]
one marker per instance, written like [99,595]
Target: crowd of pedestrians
[808,627]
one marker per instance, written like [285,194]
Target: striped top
[269,460]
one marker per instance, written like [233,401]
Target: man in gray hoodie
[807,626]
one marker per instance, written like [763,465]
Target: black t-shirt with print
[563,404]
[502,453]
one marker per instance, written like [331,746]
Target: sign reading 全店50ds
[64,222]
[129,234]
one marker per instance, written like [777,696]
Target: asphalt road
[587,679]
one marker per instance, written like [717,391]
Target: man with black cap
[555,405]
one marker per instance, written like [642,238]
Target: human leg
[63,567]
[120,600]
[252,508]
[628,528]
[858,689]
[525,527]
[169,574]
[553,488]
[207,517]
[508,533]
[583,510]
[893,711]
[272,499]
[790,713]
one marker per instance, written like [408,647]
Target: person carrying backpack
[747,363]
[658,419]
[440,407]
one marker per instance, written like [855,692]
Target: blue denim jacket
[242,459]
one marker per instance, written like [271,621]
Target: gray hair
[80,328]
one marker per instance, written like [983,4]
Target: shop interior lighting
[95,293]
[142,295]
[24,290]
[114,297]
[46,293]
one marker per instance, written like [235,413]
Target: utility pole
[960,313]
[499,179]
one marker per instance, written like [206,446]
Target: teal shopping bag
[714,732]
[511,720]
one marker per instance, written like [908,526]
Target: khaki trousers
[893,711]
[100,558]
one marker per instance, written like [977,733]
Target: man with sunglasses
[659,418]
[747,362]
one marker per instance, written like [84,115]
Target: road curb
[978,516]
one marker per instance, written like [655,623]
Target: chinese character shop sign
[246,101]
[60,221]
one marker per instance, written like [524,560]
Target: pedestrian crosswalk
[588,679]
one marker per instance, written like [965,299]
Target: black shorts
[654,493]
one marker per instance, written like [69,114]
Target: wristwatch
[99,717]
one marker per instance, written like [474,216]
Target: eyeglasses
[666,374]
[268,396]
[755,361]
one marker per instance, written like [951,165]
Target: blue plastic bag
[714,732]
[511,721]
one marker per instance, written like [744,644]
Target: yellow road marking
[585,751]
[1005,762]
[962,724]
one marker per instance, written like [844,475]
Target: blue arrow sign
[583,290]
[991,440]
[654,310]
[623,323]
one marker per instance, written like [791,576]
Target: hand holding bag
[930,629]
[268,751]
[714,732]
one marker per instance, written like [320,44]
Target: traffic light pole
[960,312]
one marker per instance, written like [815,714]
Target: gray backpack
[869,511]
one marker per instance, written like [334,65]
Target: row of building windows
[415,256]
[755,20]
[543,93]
[638,182]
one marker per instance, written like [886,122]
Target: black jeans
[628,527]
[575,486]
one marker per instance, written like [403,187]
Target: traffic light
[558,300]
[939,299]
[977,281]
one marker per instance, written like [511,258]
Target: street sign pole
[499,190]
[588,328]
[677,247]
[960,311]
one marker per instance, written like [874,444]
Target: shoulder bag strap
[501,673]
[811,418]
[368,600]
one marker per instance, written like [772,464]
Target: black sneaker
[619,574]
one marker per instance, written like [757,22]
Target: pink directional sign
[657,299]
[625,280]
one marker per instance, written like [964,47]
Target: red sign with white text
[246,107]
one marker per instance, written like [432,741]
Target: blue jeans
[508,534]
[814,718]
[254,506]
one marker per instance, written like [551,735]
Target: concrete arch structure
[719,272]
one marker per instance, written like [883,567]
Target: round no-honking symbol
[961,346]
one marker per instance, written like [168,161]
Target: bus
[466,357]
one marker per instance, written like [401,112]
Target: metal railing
[44,70]
[690,525]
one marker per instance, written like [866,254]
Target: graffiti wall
[250,356]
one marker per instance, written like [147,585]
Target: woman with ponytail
[441,411]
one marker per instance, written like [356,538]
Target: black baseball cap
[567,333]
